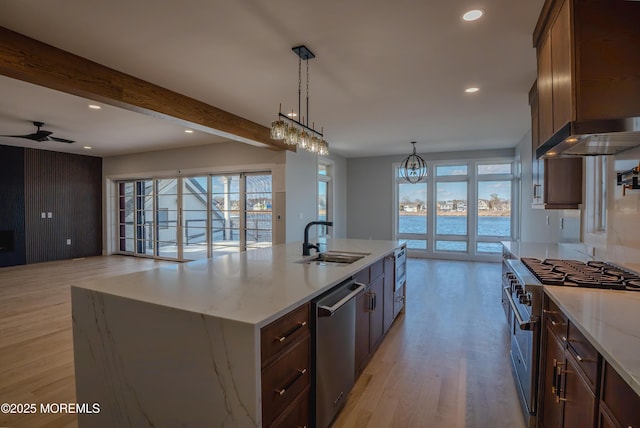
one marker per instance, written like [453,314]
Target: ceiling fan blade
[33,137]
[61,140]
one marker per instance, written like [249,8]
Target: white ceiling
[385,73]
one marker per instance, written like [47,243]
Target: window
[470,212]
[325,196]
[411,212]
[494,220]
[452,206]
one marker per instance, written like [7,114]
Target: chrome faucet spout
[306,246]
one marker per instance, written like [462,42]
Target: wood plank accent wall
[69,187]
[12,203]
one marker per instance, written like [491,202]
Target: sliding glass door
[190,218]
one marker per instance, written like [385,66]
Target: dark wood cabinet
[369,313]
[363,308]
[557,183]
[286,369]
[553,358]
[568,396]
[560,36]
[376,318]
[579,400]
[620,405]
[587,61]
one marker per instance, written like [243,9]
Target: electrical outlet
[68,241]
[43,215]
[49,215]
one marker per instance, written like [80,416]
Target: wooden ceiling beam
[32,61]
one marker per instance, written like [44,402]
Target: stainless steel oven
[523,295]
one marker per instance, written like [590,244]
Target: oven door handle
[524,325]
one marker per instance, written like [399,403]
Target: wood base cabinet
[569,395]
[286,370]
[369,313]
[620,405]
[376,308]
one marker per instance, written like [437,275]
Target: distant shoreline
[458,214]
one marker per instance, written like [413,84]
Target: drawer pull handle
[298,376]
[290,332]
[549,312]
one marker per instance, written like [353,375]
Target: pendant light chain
[307,61]
[299,86]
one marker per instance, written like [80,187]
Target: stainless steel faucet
[306,247]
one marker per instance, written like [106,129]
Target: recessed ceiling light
[94,106]
[471,90]
[87,147]
[473,15]
[189,131]
[292,114]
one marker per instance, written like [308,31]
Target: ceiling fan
[40,135]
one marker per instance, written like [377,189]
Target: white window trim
[472,178]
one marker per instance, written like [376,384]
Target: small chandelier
[413,168]
[298,133]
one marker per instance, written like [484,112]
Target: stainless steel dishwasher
[335,332]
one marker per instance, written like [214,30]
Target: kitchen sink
[334,258]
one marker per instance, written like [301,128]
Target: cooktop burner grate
[573,273]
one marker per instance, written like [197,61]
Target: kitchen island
[180,345]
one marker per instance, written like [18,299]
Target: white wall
[538,225]
[623,212]
[302,188]
[370,190]
[220,155]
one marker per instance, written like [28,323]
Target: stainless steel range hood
[592,138]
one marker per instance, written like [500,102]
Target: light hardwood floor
[443,364]
[36,347]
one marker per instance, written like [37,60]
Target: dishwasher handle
[327,311]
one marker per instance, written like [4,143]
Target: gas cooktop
[574,273]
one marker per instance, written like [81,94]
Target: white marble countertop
[572,251]
[610,320]
[255,287]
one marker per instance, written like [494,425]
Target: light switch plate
[68,241]
[49,215]
[43,215]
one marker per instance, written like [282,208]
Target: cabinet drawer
[585,354]
[375,270]
[283,331]
[621,401]
[285,379]
[555,319]
[296,415]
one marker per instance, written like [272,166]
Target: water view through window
[487,219]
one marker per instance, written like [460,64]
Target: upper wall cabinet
[588,62]
[557,183]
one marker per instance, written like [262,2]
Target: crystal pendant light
[292,136]
[293,132]
[278,128]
